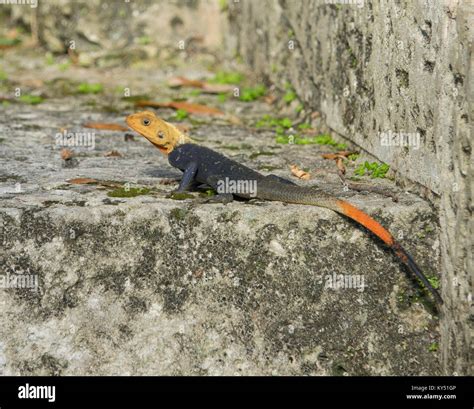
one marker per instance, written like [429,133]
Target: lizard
[201,165]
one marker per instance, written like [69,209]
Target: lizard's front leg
[189,177]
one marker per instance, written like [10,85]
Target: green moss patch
[129,192]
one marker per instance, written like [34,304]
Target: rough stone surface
[149,285]
[374,68]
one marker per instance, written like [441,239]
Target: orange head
[162,134]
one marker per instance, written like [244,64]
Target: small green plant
[225,77]
[290,96]
[434,281]
[49,59]
[223,6]
[181,114]
[433,347]
[180,196]
[87,88]
[144,40]
[222,97]
[251,94]
[327,140]
[315,140]
[3,75]
[9,42]
[304,126]
[31,99]
[374,169]
[353,156]
[299,108]
[268,121]
[64,66]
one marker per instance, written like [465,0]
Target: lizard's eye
[161,135]
[146,122]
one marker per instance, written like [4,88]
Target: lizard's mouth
[160,147]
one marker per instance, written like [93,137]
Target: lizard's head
[162,134]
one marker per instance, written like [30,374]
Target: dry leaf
[196,109]
[270,99]
[82,181]
[73,55]
[299,173]
[340,165]
[113,153]
[341,154]
[330,155]
[105,126]
[66,154]
[184,82]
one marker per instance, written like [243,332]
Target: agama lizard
[201,165]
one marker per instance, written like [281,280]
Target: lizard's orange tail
[376,228]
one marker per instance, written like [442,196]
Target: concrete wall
[376,69]
[105,25]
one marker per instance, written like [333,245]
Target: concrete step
[152,285]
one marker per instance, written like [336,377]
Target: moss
[290,96]
[207,193]
[129,192]
[180,196]
[253,93]
[434,281]
[268,168]
[231,147]
[135,98]
[315,140]
[9,42]
[223,6]
[245,146]
[268,121]
[144,40]
[181,114]
[178,213]
[226,77]
[262,153]
[87,88]
[31,99]
[222,97]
